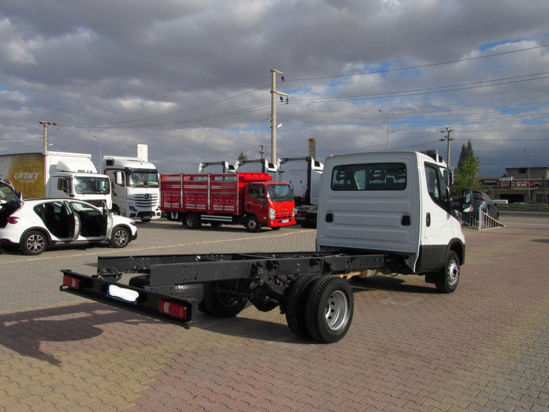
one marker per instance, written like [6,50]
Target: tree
[466,153]
[467,176]
[242,157]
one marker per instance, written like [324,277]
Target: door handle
[428,220]
[330,217]
[405,221]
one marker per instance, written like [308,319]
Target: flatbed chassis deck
[307,286]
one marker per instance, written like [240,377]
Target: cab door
[438,220]
[255,202]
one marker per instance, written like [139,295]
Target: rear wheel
[191,221]
[120,237]
[219,302]
[447,279]
[329,309]
[295,304]
[33,243]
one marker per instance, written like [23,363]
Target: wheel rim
[35,243]
[120,237]
[453,273]
[252,224]
[337,310]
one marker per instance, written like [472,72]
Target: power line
[127,124]
[421,66]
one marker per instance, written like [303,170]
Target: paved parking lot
[483,347]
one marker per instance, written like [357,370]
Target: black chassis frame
[263,277]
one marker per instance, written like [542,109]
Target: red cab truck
[248,198]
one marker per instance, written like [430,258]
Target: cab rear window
[370,176]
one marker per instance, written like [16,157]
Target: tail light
[71,282]
[13,219]
[173,309]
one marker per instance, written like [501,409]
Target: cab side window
[436,186]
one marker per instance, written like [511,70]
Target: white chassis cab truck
[385,212]
[135,187]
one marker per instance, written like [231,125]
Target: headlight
[272,213]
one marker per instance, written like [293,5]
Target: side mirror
[466,201]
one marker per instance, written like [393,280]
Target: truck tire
[120,237]
[329,309]
[295,304]
[191,220]
[447,278]
[220,304]
[33,242]
[252,224]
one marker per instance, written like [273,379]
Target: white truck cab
[397,203]
[135,187]
[73,175]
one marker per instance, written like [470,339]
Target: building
[520,184]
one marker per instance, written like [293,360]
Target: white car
[39,223]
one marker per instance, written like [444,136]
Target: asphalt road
[483,347]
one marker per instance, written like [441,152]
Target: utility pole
[529,193]
[274,125]
[447,139]
[45,125]
[312,148]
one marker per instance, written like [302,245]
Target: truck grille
[147,200]
[283,213]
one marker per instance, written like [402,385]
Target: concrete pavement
[483,347]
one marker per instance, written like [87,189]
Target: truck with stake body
[388,212]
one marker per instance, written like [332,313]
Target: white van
[394,202]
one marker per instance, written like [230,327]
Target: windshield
[280,193]
[143,178]
[87,185]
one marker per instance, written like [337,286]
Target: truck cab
[135,187]
[269,204]
[73,175]
[397,203]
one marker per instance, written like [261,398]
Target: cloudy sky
[191,78]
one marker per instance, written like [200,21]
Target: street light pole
[529,195]
[387,120]
[205,147]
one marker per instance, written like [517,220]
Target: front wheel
[329,309]
[252,224]
[448,278]
[33,243]
[120,237]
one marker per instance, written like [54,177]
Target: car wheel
[33,243]
[120,237]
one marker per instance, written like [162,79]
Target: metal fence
[479,220]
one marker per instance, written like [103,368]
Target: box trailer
[56,174]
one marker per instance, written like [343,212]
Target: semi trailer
[384,212]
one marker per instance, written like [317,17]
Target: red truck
[248,198]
